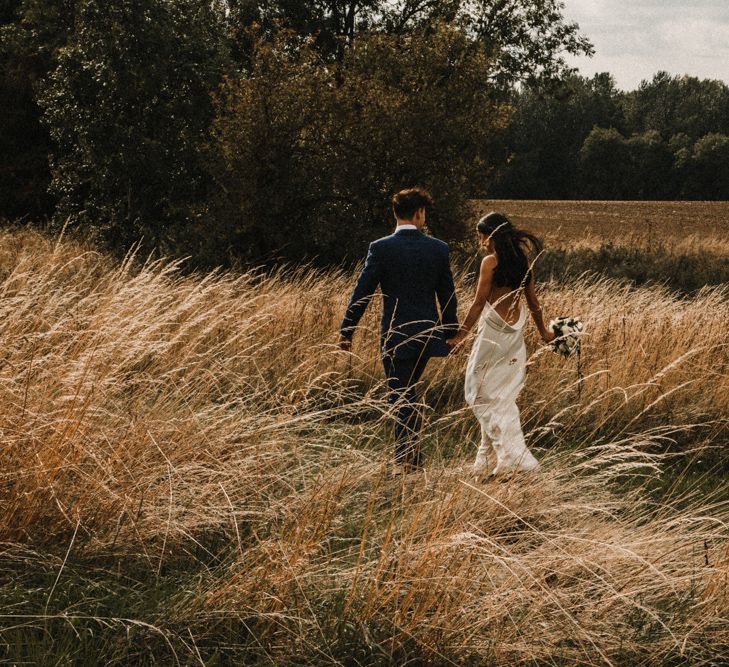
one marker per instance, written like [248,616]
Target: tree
[707,173]
[128,107]
[613,167]
[673,105]
[539,152]
[331,24]
[550,149]
[31,33]
[311,155]
[605,165]
[526,39]
[651,163]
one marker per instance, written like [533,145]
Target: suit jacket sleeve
[446,292]
[366,285]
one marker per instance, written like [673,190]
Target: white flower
[567,331]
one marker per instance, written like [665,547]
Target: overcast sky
[634,39]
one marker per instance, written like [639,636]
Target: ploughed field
[684,244]
[193,473]
[570,223]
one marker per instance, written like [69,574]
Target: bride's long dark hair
[513,248]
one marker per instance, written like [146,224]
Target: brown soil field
[569,223]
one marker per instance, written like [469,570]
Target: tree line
[246,131]
[669,139]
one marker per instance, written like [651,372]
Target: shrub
[306,157]
[128,107]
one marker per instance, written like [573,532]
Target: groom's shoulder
[436,245]
[381,243]
[393,240]
[385,241]
[437,242]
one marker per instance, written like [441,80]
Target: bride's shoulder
[489,261]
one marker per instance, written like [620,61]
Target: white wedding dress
[495,375]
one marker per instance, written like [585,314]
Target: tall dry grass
[207,429]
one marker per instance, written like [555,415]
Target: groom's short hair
[406,202]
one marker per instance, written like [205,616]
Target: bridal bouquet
[567,331]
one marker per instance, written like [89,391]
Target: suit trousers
[402,376]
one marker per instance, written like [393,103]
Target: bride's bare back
[503,299]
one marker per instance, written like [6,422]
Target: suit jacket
[413,271]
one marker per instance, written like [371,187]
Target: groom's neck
[411,223]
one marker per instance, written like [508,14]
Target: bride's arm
[536,311]
[482,292]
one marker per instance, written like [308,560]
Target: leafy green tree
[539,152]
[678,104]
[651,164]
[331,24]
[613,167]
[526,39]
[681,147]
[31,33]
[311,155]
[128,106]
[707,171]
[605,165]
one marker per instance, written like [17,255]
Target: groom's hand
[345,344]
[455,343]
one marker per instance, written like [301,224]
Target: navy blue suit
[414,274]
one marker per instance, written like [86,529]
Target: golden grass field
[193,473]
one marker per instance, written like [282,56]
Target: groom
[413,271]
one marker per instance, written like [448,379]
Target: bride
[496,367]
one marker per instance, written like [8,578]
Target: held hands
[456,343]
